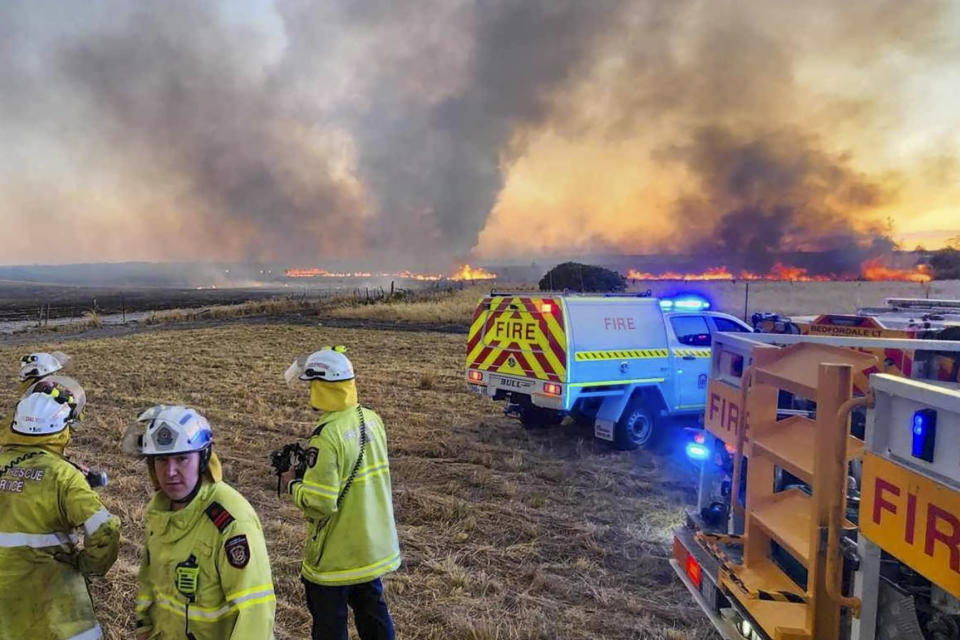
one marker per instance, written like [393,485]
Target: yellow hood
[214,472]
[55,442]
[333,396]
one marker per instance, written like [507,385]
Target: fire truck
[631,366]
[901,318]
[808,528]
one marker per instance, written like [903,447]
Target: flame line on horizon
[872,270]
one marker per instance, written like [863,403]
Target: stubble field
[506,533]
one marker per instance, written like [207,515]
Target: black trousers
[328,606]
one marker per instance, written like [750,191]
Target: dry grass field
[506,534]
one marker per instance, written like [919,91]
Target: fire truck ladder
[804,519]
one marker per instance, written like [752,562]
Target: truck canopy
[568,339]
[520,335]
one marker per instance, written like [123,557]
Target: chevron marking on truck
[514,337]
[582,356]
[695,353]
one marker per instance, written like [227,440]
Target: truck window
[724,324]
[691,330]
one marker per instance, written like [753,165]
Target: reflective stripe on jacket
[234,592]
[44,501]
[356,542]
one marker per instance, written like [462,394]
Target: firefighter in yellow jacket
[204,574]
[45,502]
[345,496]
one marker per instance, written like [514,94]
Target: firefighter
[204,573]
[33,368]
[346,499]
[45,502]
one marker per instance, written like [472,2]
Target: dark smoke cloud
[434,157]
[172,86]
[771,193]
[382,132]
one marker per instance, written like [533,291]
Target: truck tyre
[636,429]
[535,417]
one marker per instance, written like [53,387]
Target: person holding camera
[204,573]
[343,488]
[44,502]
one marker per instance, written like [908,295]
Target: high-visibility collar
[54,442]
[172,525]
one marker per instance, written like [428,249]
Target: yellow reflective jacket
[356,542]
[219,534]
[44,500]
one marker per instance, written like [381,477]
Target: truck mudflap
[698,570]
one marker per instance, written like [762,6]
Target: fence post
[746,299]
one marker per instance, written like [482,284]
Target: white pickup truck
[630,365]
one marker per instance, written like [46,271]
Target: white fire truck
[629,365]
[808,528]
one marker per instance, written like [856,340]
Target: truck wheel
[536,417]
[636,428]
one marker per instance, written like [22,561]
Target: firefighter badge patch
[311,457]
[238,551]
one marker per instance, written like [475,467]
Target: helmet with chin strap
[172,430]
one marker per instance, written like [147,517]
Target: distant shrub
[582,277]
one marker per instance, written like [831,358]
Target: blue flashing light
[685,303]
[698,452]
[924,434]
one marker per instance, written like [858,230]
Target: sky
[427,133]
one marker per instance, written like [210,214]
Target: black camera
[291,455]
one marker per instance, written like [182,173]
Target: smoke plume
[378,133]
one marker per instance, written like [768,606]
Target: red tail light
[693,570]
[552,388]
[474,376]
[699,438]
[690,565]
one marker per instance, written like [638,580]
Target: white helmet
[37,365]
[51,406]
[171,429]
[328,365]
